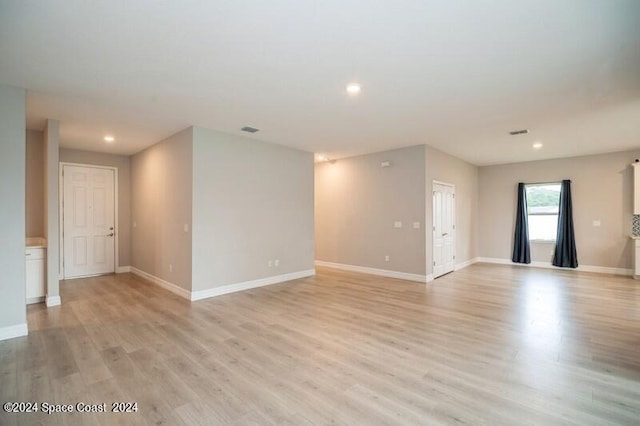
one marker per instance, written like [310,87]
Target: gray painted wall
[12,209]
[123,164]
[252,202]
[446,168]
[35,184]
[357,202]
[51,142]
[161,204]
[602,189]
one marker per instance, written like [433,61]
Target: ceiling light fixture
[537,145]
[353,89]
[109,138]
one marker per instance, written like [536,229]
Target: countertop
[36,242]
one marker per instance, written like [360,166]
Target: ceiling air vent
[519,132]
[249,129]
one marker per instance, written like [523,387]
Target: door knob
[445,234]
[110,235]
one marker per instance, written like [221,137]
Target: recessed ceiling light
[353,88]
[537,145]
[109,138]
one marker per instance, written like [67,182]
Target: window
[543,201]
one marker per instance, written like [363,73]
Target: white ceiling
[457,75]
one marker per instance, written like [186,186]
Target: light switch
[397,224]
[385,164]
[596,223]
[135,224]
[186,227]
[416,225]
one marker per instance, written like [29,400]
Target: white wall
[357,202]
[35,184]
[602,189]
[252,202]
[12,212]
[51,209]
[446,168]
[161,205]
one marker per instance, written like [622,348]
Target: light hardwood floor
[489,344]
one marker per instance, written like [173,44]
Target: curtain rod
[545,183]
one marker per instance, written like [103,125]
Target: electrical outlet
[397,224]
[276,262]
[186,227]
[416,225]
[596,222]
[135,224]
[170,267]
[386,258]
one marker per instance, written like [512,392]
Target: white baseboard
[374,271]
[173,288]
[232,288]
[545,265]
[12,331]
[430,278]
[123,269]
[32,300]
[52,301]
[464,264]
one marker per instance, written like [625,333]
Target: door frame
[431,230]
[116,249]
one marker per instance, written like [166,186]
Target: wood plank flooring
[489,344]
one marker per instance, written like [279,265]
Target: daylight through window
[543,201]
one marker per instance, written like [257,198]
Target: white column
[51,221]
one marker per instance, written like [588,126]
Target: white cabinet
[636,188]
[35,260]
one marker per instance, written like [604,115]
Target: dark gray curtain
[565,255]
[521,250]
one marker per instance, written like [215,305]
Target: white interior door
[88,221]
[444,231]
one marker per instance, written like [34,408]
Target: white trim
[439,182]
[13,331]
[53,301]
[60,225]
[123,269]
[430,262]
[373,271]
[457,267]
[466,263]
[116,242]
[545,265]
[32,300]
[173,288]
[232,288]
